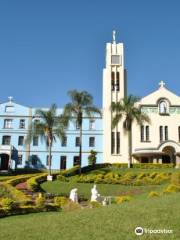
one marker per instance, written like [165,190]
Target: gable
[161,93]
[12,108]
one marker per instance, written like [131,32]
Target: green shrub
[127,179]
[153,194]
[95,204]
[71,206]
[62,178]
[99,178]
[162,177]
[95,167]
[130,175]
[109,175]
[141,175]
[119,165]
[40,201]
[34,182]
[61,201]
[175,178]
[153,175]
[152,165]
[17,194]
[122,199]
[18,179]
[92,158]
[172,189]
[71,172]
[7,204]
[98,171]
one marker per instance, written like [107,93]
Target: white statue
[163,107]
[114,36]
[73,195]
[104,202]
[94,194]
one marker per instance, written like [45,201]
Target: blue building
[14,153]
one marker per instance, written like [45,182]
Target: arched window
[163,107]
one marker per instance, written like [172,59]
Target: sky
[48,47]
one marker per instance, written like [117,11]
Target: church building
[154,142]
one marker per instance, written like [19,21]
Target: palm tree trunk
[80,146]
[129,148]
[49,160]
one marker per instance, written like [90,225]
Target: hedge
[28,209]
[125,165]
[71,172]
[33,183]
[14,192]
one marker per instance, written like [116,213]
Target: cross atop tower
[10,99]
[162,84]
[114,37]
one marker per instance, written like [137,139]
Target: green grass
[115,222]
[84,189]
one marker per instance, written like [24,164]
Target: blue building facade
[15,120]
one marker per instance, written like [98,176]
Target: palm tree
[81,105]
[48,127]
[127,110]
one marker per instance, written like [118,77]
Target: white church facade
[154,142]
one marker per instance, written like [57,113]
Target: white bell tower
[114,89]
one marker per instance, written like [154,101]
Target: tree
[48,126]
[126,110]
[92,158]
[81,105]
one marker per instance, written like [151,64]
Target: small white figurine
[73,195]
[94,194]
[104,202]
[163,107]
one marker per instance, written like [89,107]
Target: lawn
[84,189]
[115,222]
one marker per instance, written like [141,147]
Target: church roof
[161,93]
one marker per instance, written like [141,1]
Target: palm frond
[70,110]
[116,120]
[128,109]
[90,111]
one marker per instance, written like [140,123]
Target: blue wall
[22,112]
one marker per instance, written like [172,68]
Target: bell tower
[114,89]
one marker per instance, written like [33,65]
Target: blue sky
[50,47]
